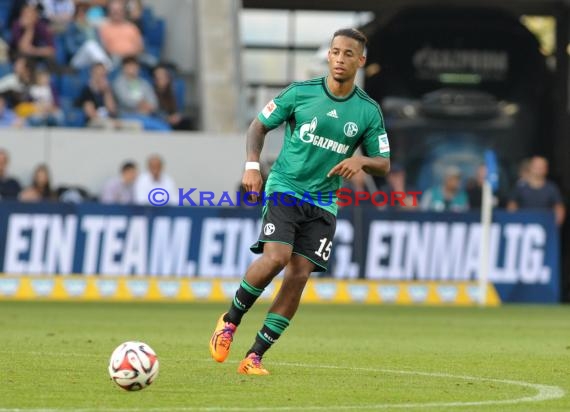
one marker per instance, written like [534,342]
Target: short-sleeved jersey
[321,130]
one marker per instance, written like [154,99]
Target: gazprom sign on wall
[214,243]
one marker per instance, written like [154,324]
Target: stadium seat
[60,52]
[180,93]
[147,16]
[4,13]
[84,73]
[154,51]
[153,33]
[6,34]
[5,68]
[113,74]
[71,85]
[146,74]
[5,9]
[74,116]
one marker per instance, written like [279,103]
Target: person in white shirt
[47,113]
[152,179]
[58,12]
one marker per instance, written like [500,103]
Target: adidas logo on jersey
[332,113]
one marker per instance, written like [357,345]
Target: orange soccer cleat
[222,339]
[251,365]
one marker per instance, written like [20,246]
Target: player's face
[345,58]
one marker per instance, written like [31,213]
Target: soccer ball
[133,366]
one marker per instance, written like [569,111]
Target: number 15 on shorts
[324,250]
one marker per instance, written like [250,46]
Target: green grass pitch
[54,356]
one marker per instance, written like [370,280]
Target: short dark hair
[353,34]
[97,64]
[128,166]
[130,59]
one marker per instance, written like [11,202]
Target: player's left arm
[377,165]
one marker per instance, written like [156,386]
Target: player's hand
[347,168]
[252,182]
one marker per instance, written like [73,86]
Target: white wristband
[252,166]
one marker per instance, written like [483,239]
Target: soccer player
[327,119]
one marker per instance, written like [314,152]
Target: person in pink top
[120,37]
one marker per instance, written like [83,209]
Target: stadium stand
[67,81]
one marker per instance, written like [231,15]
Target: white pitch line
[544,393]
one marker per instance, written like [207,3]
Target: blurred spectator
[475,187]
[122,38]
[523,172]
[14,87]
[58,12]
[47,112]
[4,48]
[15,11]
[40,189]
[97,12]
[73,194]
[9,187]
[136,97]
[135,10]
[32,37]
[152,179]
[167,105]
[396,186]
[357,183]
[97,100]
[537,192]
[7,116]
[82,41]
[447,197]
[360,182]
[120,189]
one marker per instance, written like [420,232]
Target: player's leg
[276,246]
[275,257]
[296,276]
[311,252]
[259,274]
[280,314]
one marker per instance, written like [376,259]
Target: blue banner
[214,243]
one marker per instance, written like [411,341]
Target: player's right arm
[252,181]
[273,114]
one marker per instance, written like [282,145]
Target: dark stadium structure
[453,82]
